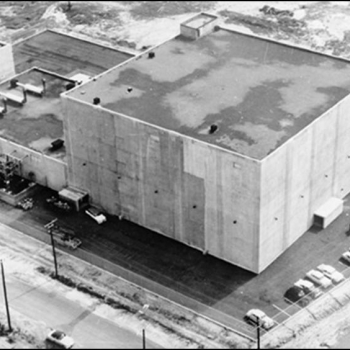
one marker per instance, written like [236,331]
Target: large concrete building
[227,142]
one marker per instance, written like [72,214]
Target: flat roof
[257,92]
[199,20]
[65,55]
[39,121]
[72,194]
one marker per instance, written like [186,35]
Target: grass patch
[258,25]
[88,14]
[154,9]
[23,13]
[87,290]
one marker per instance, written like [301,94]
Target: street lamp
[145,307]
[49,227]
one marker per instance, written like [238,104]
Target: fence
[294,317]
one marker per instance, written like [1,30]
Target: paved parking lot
[206,283]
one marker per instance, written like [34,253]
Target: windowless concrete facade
[242,191]
[7,67]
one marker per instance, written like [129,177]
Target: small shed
[328,212]
[78,199]
[198,26]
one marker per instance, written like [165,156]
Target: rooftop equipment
[37,90]
[57,144]
[213,128]
[96,101]
[15,98]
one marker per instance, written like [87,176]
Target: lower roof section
[240,92]
[65,55]
[33,120]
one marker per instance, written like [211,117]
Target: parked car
[25,204]
[58,340]
[96,215]
[346,256]
[297,295]
[319,278]
[256,316]
[330,272]
[309,288]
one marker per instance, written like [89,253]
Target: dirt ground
[134,26]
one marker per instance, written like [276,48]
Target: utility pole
[5,296]
[54,253]
[258,334]
[49,226]
[143,339]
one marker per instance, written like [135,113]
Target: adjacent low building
[33,74]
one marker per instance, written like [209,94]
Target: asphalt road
[88,329]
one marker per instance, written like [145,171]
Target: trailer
[67,241]
[64,236]
[58,204]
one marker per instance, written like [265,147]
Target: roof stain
[258,93]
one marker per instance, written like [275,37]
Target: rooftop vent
[151,55]
[13,83]
[70,85]
[213,128]
[57,144]
[36,90]
[96,101]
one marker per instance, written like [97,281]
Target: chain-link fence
[303,312]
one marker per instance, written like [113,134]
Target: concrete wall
[208,28]
[48,171]
[300,176]
[235,208]
[189,32]
[192,192]
[7,66]
[195,33]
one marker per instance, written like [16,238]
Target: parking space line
[281,310]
